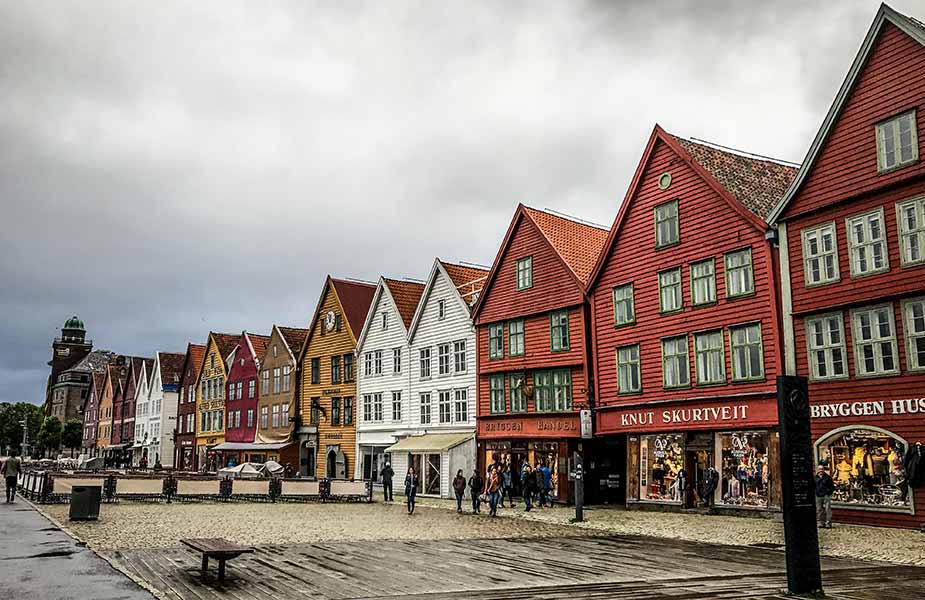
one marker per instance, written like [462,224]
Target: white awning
[250,446]
[430,442]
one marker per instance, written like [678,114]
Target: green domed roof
[74,323]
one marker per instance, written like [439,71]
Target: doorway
[306,460]
[696,463]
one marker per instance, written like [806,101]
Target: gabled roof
[293,337]
[258,344]
[406,295]
[195,355]
[97,360]
[757,183]
[468,280]
[911,27]
[355,298]
[99,381]
[577,243]
[226,342]
[171,367]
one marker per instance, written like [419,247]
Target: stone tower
[67,350]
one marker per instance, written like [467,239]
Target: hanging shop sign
[565,426]
[870,408]
[686,415]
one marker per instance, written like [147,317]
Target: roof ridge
[736,151]
[570,218]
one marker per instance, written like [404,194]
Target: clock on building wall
[330,320]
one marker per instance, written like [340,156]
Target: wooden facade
[867,406]
[185,443]
[280,362]
[331,407]
[210,399]
[243,392]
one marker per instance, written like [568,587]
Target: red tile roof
[579,244]
[99,381]
[195,354]
[468,280]
[406,294]
[226,343]
[171,367]
[294,337]
[757,183]
[355,298]
[259,343]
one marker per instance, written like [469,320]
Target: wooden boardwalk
[564,567]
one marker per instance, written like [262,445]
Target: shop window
[661,460]
[874,341]
[820,254]
[867,243]
[747,357]
[703,283]
[825,340]
[867,466]
[745,468]
[669,291]
[740,279]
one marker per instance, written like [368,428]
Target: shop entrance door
[698,457]
[431,475]
[518,458]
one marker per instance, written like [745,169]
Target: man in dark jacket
[476,485]
[824,488]
[387,475]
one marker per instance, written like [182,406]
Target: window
[276,381]
[377,361]
[368,364]
[459,356]
[264,413]
[237,419]
[441,309]
[496,394]
[496,341]
[867,243]
[396,406]
[667,231]
[348,367]
[367,407]
[709,357]
[251,388]
[275,416]
[461,406]
[553,390]
[820,254]
[747,357]
[525,273]
[385,320]
[287,377]
[348,410]
[377,407]
[515,334]
[675,364]
[335,369]
[558,325]
[896,142]
[914,328]
[629,379]
[825,341]
[250,417]
[740,280]
[703,283]
[425,408]
[425,362]
[316,371]
[444,406]
[396,360]
[874,341]
[911,215]
[275,352]
[335,411]
[443,359]
[211,361]
[284,415]
[518,401]
[669,290]
[624,311]
[190,423]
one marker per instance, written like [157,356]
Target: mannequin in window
[843,471]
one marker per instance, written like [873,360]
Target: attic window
[525,273]
[212,361]
[664,181]
[897,144]
[385,320]
[274,350]
[441,309]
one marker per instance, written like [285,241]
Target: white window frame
[287,376]
[396,405]
[708,278]
[748,377]
[896,140]
[377,407]
[460,357]
[377,362]
[461,405]
[826,347]
[624,305]
[627,368]
[663,288]
[816,233]
[445,405]
[875,342]
[425,408]
[519,348]
[663,216]
[735,274]
[917,233]
[676,358]
[444,352]
[368,364]
[868,244]
[424,363]
[709,354]
[911,334]
[396,360]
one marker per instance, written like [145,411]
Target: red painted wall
[243,373]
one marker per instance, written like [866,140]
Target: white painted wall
[142,411]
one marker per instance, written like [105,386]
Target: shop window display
[661,460]
[513,456]
[745,468]
[867,466]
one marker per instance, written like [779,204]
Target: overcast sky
[167,169]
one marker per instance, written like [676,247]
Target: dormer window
[897,143]
[525,273]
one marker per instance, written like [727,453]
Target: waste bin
[85,502]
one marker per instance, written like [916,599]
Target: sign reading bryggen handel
[567,426]
[689,415]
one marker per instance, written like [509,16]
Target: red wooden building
[533,358]
[852,254]
[185,441]
[686,327]
[241,401]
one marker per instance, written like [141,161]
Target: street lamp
[25,437]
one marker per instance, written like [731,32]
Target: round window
[664,181]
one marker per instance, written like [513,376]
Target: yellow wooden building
[210,399]
[328,378]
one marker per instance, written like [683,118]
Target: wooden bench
[217,548]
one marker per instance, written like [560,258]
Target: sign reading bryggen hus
[691,415]
[533,426]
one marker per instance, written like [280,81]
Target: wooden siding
[553,284]
[892,82]
[210,438]
[270,362]
[709,228]
[324,347]
[104,423]
[243,373]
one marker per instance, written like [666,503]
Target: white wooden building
[163,393]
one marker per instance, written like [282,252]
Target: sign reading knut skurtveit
[692,415]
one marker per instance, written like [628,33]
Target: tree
[11,418]
[72,435]
[49,437]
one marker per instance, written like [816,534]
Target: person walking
[387,475]
[459,487]
[543,476]
[507,486]
[10,470]
[493,487]
[476,485]
[411,488]
[824,488]
[528,484]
